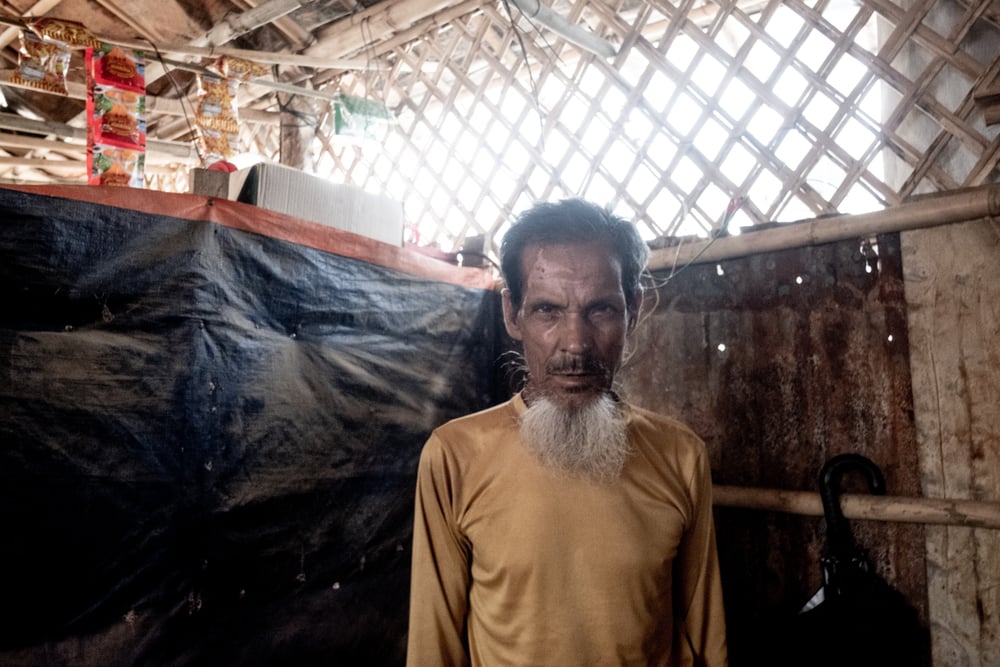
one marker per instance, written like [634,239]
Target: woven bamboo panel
[781,110]
[769,111]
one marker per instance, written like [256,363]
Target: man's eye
[545,311]
[603,310]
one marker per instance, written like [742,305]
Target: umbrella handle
[838,535]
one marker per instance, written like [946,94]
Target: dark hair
[572,221]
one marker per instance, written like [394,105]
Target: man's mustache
[581,364]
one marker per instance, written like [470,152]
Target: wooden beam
[297,36]
[941,511]
[239,24]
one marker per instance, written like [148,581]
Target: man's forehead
[589,264]
[568,251]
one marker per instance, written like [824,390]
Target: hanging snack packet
[70,33]
[41,64]
[217,101]
[116,116]
[241,69]
[114,165]
[217,145]
[217,118]
[118,67]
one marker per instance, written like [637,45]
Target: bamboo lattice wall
[800,108]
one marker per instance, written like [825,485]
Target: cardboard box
[293,192]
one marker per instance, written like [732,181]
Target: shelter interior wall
[780,361]
[808,371]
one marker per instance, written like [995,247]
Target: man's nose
[578,335]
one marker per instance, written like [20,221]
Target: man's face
[572,322]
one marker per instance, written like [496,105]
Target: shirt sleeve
[439,585]
[700,621]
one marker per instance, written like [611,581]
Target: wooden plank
[954,322]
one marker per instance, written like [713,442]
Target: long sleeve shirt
[516,565]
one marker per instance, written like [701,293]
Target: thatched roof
[701,115]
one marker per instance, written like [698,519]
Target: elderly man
[565,526]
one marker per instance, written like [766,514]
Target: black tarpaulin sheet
[209,439]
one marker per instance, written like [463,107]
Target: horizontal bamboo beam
[181,151]
[69,168]
[199,50]
[160,105]
[366,28]
[925,211]
[969,513]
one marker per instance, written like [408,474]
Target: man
[566,527]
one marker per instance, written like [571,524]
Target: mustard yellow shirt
[515,565]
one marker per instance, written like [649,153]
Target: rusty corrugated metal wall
[781,361]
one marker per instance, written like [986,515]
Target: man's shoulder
[647,418]
[499,412]
[665,433]
[478,425]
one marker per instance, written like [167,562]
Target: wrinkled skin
[573,321]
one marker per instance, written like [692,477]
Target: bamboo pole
[926,211]
[942,511]
[78,167]
[372,25]
[160,105]
[571,32]
[265,58]
[38,9]
[239,24]
[184,152]
[199,49]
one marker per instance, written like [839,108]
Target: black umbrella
[856,618]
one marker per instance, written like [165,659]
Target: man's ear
[635,310]
[510,316]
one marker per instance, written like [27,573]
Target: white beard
[589,441]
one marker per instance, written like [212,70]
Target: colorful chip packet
[116,116]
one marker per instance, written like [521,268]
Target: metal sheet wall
[780,361]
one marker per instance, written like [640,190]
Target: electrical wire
[181,97]
[535,92]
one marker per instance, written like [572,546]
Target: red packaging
[116,117]
[118,67]
[114,165]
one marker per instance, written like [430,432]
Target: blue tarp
[208,439]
